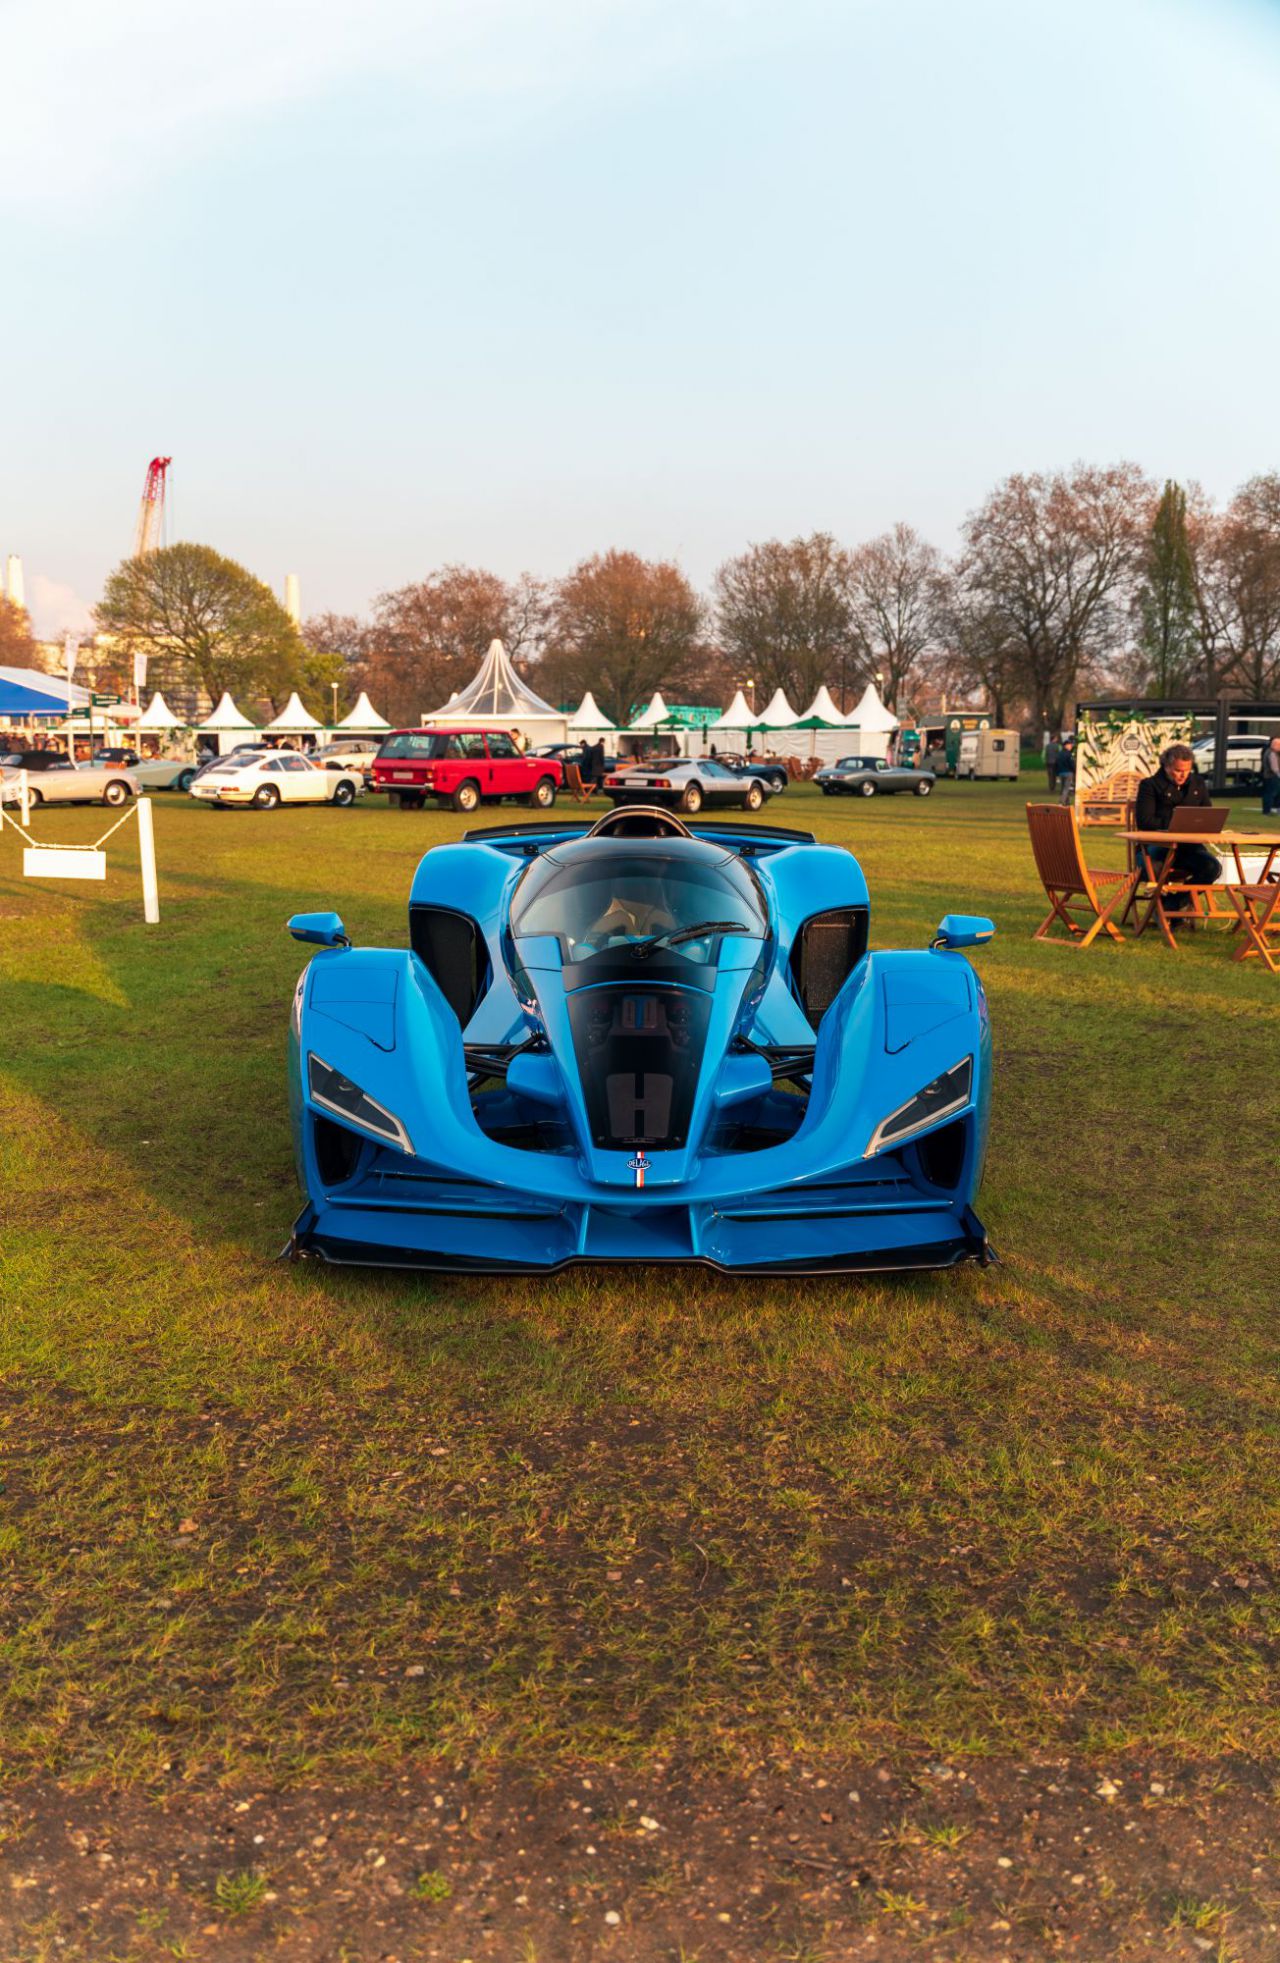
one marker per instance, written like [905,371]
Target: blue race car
[645,1041]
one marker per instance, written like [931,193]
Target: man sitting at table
[1176,783]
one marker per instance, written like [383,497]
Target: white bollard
[147,854]
[24,799]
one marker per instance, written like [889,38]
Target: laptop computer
[1199,818]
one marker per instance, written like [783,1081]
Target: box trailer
[988,753]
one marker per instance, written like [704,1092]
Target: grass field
[277,1524]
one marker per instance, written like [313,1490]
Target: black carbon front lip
[970,1246]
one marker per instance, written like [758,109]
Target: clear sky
[512,281]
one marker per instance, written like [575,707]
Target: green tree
[17,644]
[1169,636]
[204,621]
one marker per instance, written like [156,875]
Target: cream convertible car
[61,782]
[266,778]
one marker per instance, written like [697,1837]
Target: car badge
[639,1165]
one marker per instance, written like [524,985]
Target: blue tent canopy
[26,692]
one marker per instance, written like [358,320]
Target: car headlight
[336,1093]
[940,1099]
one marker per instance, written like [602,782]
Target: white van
[988,753]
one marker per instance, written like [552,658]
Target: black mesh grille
[827,949]
[452,948]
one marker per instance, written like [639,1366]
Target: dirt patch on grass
[999,1860]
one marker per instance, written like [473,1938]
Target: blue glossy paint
[763,1178]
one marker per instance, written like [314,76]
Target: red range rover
[462,767]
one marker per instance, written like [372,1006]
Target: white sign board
[63,862]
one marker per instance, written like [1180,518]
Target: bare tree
[1238,589]
[898,594]
[623,626]
[786,616]
[338,633]
[980,657]
[428,639]
[1047,566]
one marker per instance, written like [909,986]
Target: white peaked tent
[157,718]
[822,705]
[363,720]
[825,744]
[873,723]
[778,712]
[871,714]
[739,716]
[496,698]
[587,718]
[227,724]
[293,720]
[650,718]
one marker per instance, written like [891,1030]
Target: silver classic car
[869,776]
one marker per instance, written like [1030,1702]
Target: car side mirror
[956,930]
[324,929]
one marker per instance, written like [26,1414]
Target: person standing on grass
[1051,749]
[1271,776]
[1175,784]
[1065,765]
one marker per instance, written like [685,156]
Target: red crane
[151,508]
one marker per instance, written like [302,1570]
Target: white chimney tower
[13,581]
[292,598]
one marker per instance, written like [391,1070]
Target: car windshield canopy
[596,895]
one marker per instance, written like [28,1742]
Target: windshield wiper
[674,935]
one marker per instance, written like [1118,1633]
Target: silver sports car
[686,784]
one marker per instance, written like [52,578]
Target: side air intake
[826,951]
[452,947]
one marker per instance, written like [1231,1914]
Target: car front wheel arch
[117,793]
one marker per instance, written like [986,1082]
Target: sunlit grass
[286,1518]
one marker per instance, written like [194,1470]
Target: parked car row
[462,768]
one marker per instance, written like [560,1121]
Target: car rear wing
[741,834]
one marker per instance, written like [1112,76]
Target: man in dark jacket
[1271,775]
[1175,784]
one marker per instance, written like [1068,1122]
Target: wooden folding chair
[573,783]
[1069,884]
[1259,911]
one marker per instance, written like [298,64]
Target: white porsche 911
[267,778]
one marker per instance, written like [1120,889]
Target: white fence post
[147,854]
[24,799]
